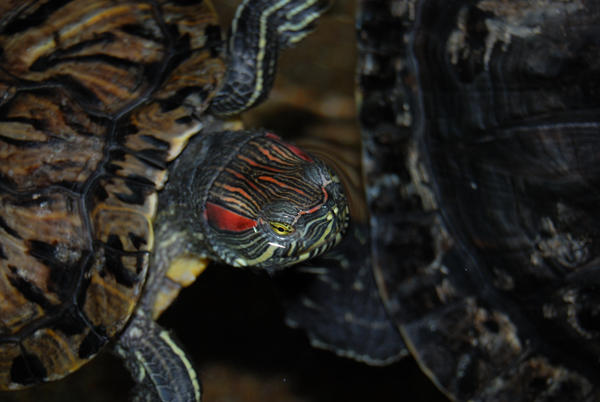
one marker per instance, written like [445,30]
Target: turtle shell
[96,98]
[482,150]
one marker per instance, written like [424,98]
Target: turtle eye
[282,229]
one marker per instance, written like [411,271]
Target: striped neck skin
[272,205]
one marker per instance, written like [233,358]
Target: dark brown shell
[94,102]
[482,147]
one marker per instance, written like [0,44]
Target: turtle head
[272,205]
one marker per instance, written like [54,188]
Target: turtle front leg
[157,363]
[260,29]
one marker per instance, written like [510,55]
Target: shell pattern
[86,133]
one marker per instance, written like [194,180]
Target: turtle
[122,176]
[480,152]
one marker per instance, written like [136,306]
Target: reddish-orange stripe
[316,207]
[294,149]
[281,184]
[244,178]
[253,163]
[266,153]
[237,190]
[233,200]
[279,150]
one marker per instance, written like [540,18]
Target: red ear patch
[225,219]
